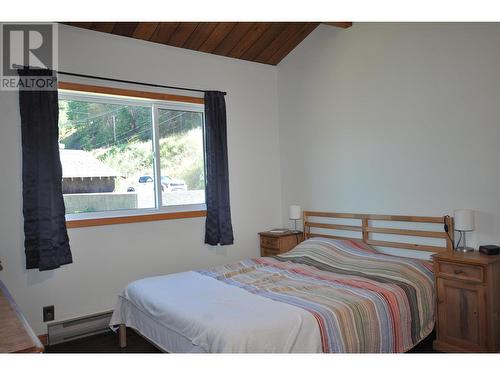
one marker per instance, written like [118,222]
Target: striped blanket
[363,301]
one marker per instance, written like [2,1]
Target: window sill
[81,223]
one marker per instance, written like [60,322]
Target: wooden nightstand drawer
[267,252]
[270,242]
[462,271]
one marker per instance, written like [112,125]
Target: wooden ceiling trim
[217,36]
[294,41]
[104,27]
[249,39]
[290,29]
[343,25]
[267,37]
[200,35]
[145,30]
[163,32]
[85,25]
[125,28]
[233,38]
[182,34]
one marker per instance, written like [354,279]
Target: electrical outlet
[48,313]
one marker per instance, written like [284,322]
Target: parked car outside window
[171,184]
[145,179]
[168,184]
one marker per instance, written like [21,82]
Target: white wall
[107,258]
[394,118]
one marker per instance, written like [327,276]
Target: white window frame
[156,105]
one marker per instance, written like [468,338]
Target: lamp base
[463,249]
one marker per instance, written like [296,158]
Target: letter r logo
[27,45]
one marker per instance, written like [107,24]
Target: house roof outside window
[81,164]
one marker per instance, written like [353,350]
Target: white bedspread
[214,317]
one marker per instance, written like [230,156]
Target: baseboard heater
[77,328]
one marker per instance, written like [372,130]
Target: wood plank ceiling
[263,42]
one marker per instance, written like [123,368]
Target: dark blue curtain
[46,240]
[218,227]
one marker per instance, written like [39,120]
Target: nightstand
[468,302]
[278,243]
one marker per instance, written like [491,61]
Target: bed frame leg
[122,334]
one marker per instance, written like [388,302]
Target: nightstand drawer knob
[459,271]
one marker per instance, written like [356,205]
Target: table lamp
[295,214]
[464,222]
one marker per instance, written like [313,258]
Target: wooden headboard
[313,219]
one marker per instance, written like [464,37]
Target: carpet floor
[108,343]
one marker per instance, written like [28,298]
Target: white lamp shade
[464,220]
[295,213]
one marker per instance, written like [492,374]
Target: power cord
[460,239]
[447,230]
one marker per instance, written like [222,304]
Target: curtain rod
[131,82]
[124,81]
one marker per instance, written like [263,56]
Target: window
[123,155]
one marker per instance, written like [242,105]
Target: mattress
[191,312]
[323,296]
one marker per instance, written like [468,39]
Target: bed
[330,294]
